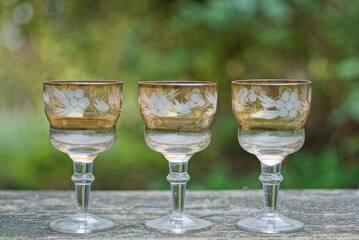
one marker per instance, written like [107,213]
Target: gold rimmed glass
[82,117]
[271,114]
[178,117]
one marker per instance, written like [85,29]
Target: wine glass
[271,115]
[178,117]
[82,117]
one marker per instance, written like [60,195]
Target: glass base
[81,223]
[270,223]
[178,223]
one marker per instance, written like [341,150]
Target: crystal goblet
[271,115]
[82,117]
[178,117]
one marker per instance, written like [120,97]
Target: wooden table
[328,214]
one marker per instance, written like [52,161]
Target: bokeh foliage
[208,40]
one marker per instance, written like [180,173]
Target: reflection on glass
[271,115]
[178,117]
[82,117]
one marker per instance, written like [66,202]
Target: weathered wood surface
[327,214]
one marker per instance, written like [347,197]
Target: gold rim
[177,83]
[82,82]
[272,82]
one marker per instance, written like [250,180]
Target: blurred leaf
[278,10]
[352,144]
[353,104]
[348,68]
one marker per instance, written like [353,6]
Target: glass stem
[82,178]
[271,178]
[178,178]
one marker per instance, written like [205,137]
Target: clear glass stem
[178,178]
[271,178]
[270,221]
[82,178]
[82,222]
[177,221]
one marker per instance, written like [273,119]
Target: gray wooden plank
[328,214]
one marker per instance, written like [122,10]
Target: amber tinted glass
[82,104]
[271,104]
[178,106]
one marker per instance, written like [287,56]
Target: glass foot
[177,223]
[270,223]
[81,223]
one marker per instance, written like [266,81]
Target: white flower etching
[101,105]
[246,95]
[114,98]
[238,107]
[195,99]
[306,105]
[267,114]
[212,99]
[72,102]
[171,106]
[150,109]
[182,108]
[46,98]
[157,104]
[287,105]
[162,104]
[266,102]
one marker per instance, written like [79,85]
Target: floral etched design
[157,104]
[162,103]
[101,105]
[46,98]
[182,108]
[194,98]
[212,100]
[287,105]
[114,100]
[73,102]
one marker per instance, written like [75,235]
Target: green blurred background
[212,40]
